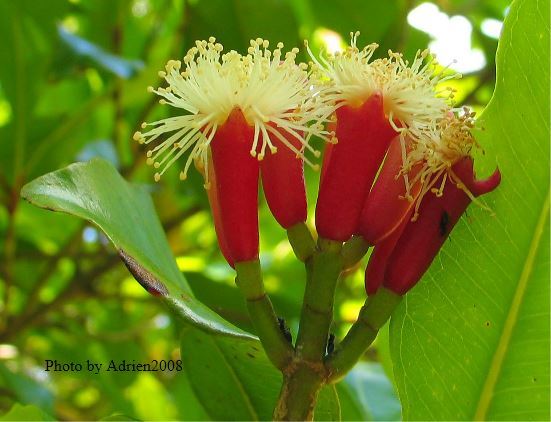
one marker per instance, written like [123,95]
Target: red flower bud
[421,240]
[388,205]
[364,134]
[237,175]
[283,182]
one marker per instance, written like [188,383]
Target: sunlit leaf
[472,340]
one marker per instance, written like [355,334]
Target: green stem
[372,317]
[301,241]
[317,308]
[353,251]
[306,375]
[298,395]
[249,280]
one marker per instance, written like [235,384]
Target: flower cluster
[239,111]
[397,167]
[403,101]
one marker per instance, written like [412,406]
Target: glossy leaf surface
[472,339]
[96,192]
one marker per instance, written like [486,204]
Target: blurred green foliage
[73,75]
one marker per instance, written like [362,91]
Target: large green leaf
[472,340]
[234,380]
[95,192]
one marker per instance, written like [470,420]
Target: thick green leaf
[234,380]
[329,406]
[472,340]
[96,192]
[351,407]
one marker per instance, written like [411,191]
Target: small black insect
[285,330]
[331,344]
[444,221]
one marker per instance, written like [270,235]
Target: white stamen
[274,94]
[437,149]
[409,90]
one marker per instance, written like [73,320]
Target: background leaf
[472,340]
[374,391]
[27,390]
[120,67]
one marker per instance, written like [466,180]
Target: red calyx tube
[421,240]
[237,174]
[386,206]
[375,270]
[212,193]
[332,127]
[364,135]
[283,182]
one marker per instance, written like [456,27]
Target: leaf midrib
[494,370]
[238,382]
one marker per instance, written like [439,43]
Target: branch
[373,315]
[317,307]
[277,347]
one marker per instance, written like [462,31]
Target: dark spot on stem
[330,344]
[251,355]
[284,329]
